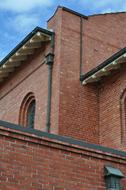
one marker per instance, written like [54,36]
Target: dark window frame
[24,113]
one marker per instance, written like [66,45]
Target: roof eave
[26,47]
[28,37]
[105,68]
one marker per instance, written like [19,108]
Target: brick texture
[31,77]
[102,38]
[112,129]
[90,113]
[35,163]
[75,102]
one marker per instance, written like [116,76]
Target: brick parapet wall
[35,160]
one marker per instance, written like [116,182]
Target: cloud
[110,5]
[24,5]
[24,22]
[23,15]
[102,6]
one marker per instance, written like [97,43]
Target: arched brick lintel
[123,116]
[24,108]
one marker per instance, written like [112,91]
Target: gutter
[20,53]
[27,38]
[105,68]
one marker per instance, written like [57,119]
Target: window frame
[23,114]
[123,116]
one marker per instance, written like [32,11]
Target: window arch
[123,115]
[27,111]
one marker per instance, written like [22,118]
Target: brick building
[63,106]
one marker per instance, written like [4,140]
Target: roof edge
[104,14]
[74,12]
[103,64]
[34,31]
[68,10]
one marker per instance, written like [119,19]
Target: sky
[19,17]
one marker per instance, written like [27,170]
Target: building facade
[63,106]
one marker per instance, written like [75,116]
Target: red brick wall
[84,111]
[77,104]
[37,163]
[55,24]
[30,77]
[104,35]
[90,113]
[112,132]
[75,108]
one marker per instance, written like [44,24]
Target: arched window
[31,114]
[123,115]
[27,111]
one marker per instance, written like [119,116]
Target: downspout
[49,62]
[81,44]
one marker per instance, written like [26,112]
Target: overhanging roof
[20,53]
[105,68]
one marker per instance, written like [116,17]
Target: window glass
[31,114]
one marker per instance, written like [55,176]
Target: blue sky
[19,17]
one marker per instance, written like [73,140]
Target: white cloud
[24,5]
[102,6]
[107,10]
[24,22]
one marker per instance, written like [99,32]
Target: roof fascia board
[73,12]
[68,10]
[28,37]
[104,64]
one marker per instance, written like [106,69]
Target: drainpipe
[49,62]
[81,44]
